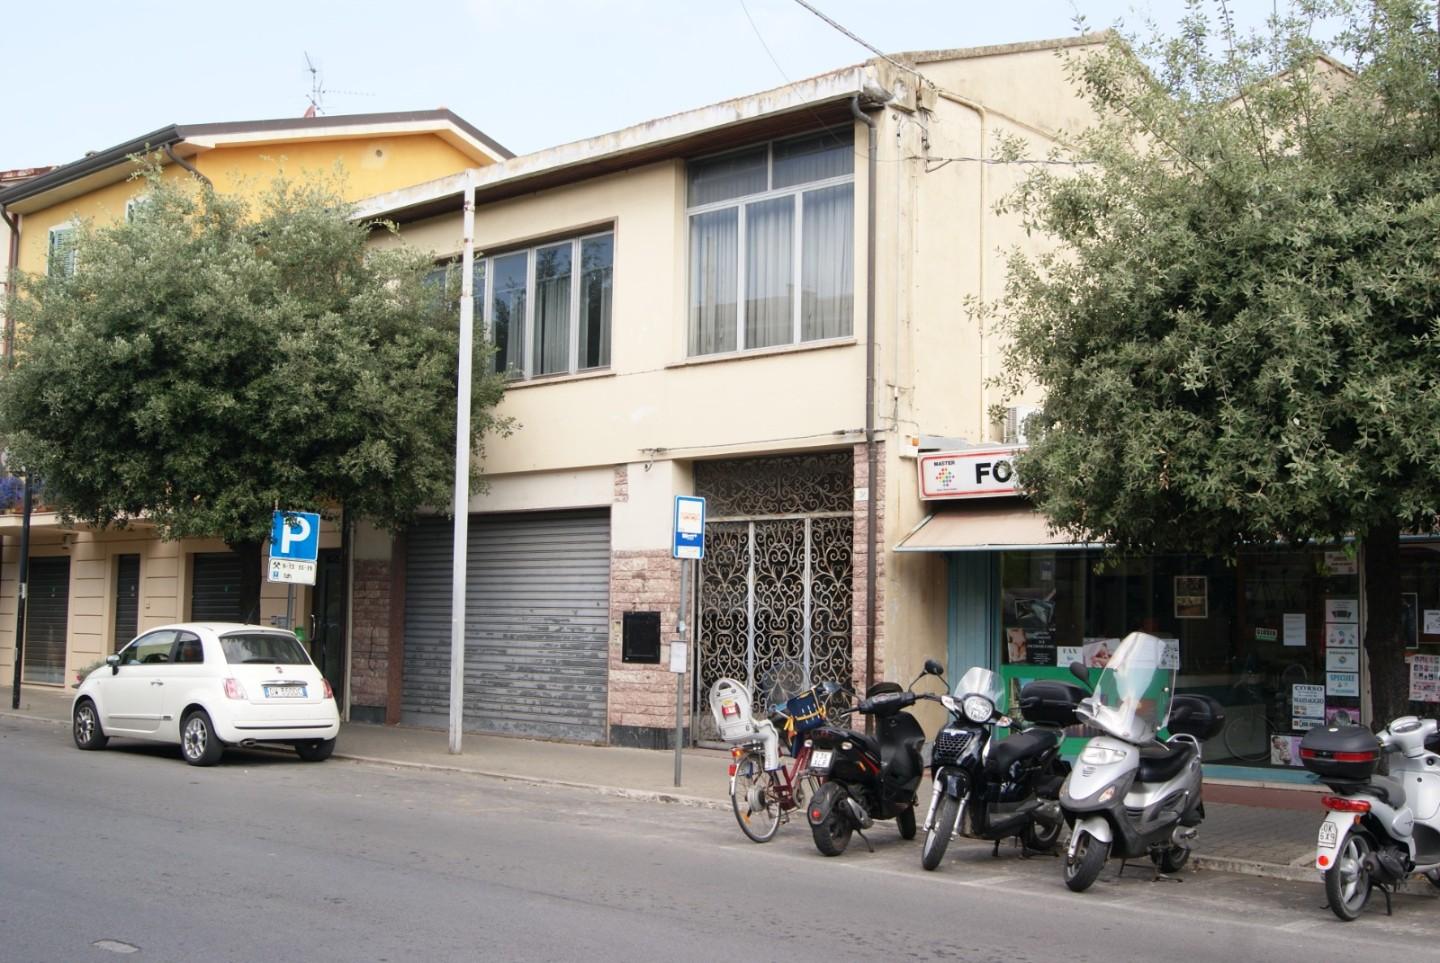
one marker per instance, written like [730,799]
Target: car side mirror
[933,667]
[1078,670]
[113,661]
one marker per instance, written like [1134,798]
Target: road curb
[639,795]
[22,714]
[1252,867]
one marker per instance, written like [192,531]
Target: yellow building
[91,591]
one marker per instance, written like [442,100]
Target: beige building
[753,302]
[92,591]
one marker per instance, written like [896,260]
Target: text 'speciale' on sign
[973,473]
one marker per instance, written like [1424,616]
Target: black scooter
[868,778]
[1010,787]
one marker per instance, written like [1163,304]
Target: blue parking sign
[295,536]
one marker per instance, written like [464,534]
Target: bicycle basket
[804,713]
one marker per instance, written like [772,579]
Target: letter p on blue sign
[296,536]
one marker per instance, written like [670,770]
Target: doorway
[327,621]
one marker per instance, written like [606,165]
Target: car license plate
[284,692]
[1327,835]
[821,759]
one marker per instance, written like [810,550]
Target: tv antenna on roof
[318,90]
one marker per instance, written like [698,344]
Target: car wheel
[86,730]
[198,742]
[315,750]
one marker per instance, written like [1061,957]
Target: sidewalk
[1261,832]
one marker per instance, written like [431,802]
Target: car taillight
[329,692]
[732,768]
[233,689]
[1340,804]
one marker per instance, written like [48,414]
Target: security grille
[776,578]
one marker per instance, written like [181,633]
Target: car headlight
[950,703]
[978,708]
[1101,755]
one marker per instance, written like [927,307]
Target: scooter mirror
[1078,670]
[933,667]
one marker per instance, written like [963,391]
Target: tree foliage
[1236,329]
[213,357]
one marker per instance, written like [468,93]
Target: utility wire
[868,46]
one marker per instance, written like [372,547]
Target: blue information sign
[294,547]
[689,527]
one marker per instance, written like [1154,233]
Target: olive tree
[1236,327]
[213,357]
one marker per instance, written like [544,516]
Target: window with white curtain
[772,241]
[547,309]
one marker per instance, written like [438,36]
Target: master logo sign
[978,473]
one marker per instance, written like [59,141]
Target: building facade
[755,302]
[92,591]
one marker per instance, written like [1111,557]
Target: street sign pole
[22,594]
[688,545]
[681,628]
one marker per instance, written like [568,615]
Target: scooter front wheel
[1347,885]
[1084,868]
[832,834]
[938,839]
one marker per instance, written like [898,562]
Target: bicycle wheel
[754,799]
[1247,737]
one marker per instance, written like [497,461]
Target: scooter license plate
[1327,836]
[821,758]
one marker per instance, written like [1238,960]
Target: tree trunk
[250,571]
[1389,675]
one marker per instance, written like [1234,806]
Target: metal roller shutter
[127,599]
[47,617]
[215,588]
[537,624]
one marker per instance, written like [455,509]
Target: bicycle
[764,789]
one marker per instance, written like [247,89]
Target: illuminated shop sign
[978,473]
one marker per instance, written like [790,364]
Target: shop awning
[991,529]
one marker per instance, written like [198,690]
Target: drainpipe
[170,153]
[12,221]
[871,541]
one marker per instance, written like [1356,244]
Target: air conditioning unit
[1015,418]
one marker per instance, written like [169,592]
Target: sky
[530,73]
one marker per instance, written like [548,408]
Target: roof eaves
[97,161]
[918,57]
[857,79]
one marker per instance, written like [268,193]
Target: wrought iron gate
[775,584]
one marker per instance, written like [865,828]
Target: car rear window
[275,648]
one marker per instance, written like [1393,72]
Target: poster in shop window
[1342,683]
[1192,597]
[1342,610]
[1425,678]
[1341,636]
[1342,660]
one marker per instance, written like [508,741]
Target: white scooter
[1379,829]
[1129,795]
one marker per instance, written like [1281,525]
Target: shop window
[1273,635]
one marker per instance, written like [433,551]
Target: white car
[207,685]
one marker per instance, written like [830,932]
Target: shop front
[1273,634]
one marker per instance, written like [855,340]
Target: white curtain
[508,312]
[769,272]
[597,256]
[552,309]
[827,305]
[714,260]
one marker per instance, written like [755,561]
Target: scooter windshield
[981,682]
[1132,698]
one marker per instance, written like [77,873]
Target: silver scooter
[1378,829]
[1129,795]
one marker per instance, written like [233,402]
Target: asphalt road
[131,854]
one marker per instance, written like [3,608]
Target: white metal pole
[462,471]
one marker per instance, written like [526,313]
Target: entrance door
[327,621]
[127,599]
[215,588]
[47,617]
